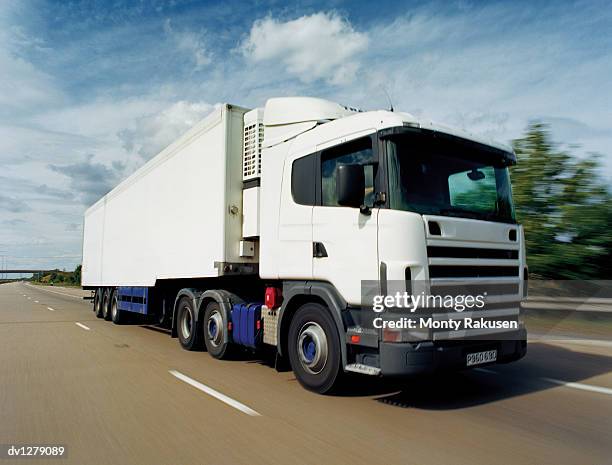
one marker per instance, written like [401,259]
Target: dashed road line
[81,325]
[582,387]
[50,309]
[216,394]
[60,293]
[559,382]
[36,302]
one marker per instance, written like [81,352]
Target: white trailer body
[177,216]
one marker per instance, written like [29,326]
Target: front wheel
[314,348]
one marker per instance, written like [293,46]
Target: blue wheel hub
[312,347]
[213,328]
[309,349]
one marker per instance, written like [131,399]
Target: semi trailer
[260,228]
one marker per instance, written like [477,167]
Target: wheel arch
[298,293]
[225,299]
[200,299]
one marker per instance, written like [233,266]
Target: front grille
[450,271]
[470,252]
[492,289]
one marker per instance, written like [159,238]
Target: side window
[355,152]
[303,173]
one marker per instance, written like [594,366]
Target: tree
[76,275]
[565,207]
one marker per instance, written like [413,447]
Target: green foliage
[566,208]
[60,277]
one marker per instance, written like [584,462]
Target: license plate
[478,358]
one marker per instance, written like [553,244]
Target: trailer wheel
[118,316]
[314,348]
[98,298]
[214,326]
[188,333]
[106,304]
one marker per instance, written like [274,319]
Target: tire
[118,317]
[189,334]
[314,349]
[214,326]
[106,304]
[98,299]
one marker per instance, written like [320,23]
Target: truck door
[345,249]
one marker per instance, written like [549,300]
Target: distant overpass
[2,271]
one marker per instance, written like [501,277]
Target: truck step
[363,369]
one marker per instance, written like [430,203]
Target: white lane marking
[581,342]
[583,387]
[216,394]
[24,295]
[57,292]
[484,370]
[36,302]
[29,298]
[50,309]
[82,326]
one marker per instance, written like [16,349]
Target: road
[122,395]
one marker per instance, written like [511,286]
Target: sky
[89,91]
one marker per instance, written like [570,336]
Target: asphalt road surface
[129,394]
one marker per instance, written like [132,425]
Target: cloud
[13,204]
[320,46]
[151,133]
[13,222]
[190,43]
[90,180]
[73,227]
[54,193]
[23,85]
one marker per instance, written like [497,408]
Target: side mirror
[350,185]
[476,175]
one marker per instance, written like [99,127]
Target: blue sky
[90,90]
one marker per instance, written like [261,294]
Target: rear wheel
[214,328]
[98,298]
[314,348]
[188,334]
[118,316]
[106,304]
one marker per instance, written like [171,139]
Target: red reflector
[273,298]
[229,325]
[392,335]
[258,324]
[355,338]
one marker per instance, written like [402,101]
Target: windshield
[448,176]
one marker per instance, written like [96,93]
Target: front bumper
[405,359]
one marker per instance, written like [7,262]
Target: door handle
[318,250]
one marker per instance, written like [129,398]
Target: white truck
[260,227]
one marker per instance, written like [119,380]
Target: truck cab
[382,201]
